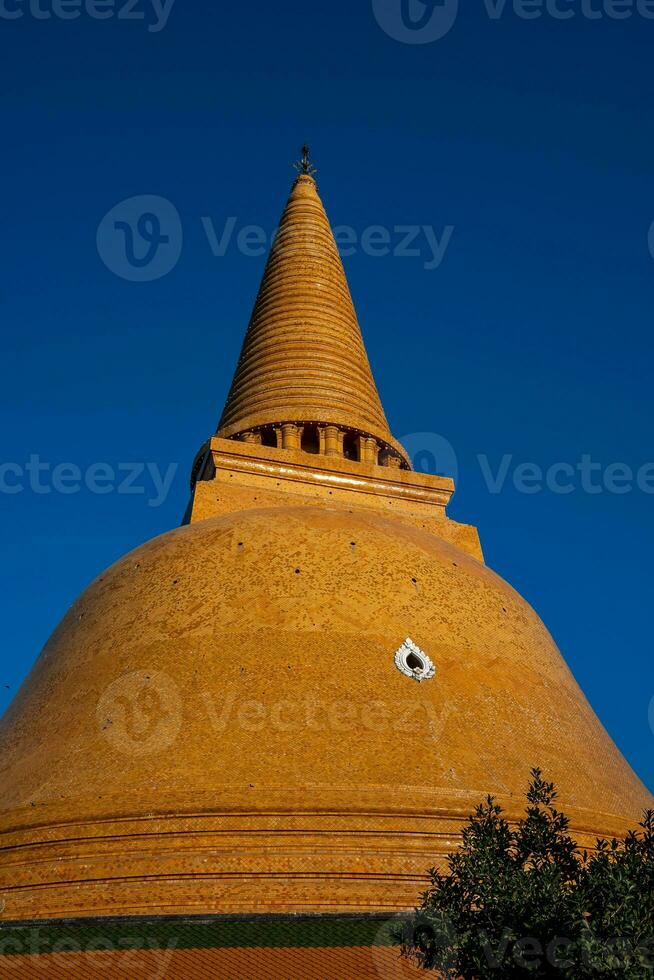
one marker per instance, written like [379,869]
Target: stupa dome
[227,692]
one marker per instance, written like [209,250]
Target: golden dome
[224,705]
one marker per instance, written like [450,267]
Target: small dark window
[414,662]
[269,438]
[351,447]
[311,439]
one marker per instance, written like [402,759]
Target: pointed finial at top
[304,166]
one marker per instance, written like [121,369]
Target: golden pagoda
[285,709]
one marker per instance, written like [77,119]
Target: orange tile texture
[218,724]
[358,963]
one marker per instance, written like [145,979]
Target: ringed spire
[303,360]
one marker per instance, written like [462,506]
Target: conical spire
[303,359]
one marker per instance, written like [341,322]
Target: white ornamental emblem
[413,662]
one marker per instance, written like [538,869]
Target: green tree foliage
[523,902]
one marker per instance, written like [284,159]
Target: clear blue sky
[532,338]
